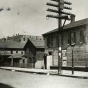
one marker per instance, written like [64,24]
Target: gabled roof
[35,43]
[71,25]
[11,44]
[38,43]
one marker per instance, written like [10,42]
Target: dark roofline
[28,42]
[32,44]
[69,26]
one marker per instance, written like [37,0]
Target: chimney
[72,18]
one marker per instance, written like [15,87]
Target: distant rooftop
[15,41]
[17,36]
[11,44]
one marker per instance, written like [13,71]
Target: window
[57,40]
[69,41]
[82,36]
[21,52]
[24,39]
[19,40]
[69,38]
[11,52]
[30,59]
[73,37]
[50,53]
[50,42]
[23,61]
[16,51]
[62,40]
[55,43]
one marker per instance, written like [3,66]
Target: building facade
[34,52]
[11,53]
[74,33]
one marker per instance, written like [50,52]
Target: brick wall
[79,60]
[55,57]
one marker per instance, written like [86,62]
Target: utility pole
[61,16]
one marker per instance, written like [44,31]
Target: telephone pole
[61,16]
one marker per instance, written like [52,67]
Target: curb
[42,73]
[81,77]
[24,71]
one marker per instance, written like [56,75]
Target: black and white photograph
[43,43]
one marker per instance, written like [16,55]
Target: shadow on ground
[5,86]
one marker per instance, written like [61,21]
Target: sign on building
[80,56]
[64,58]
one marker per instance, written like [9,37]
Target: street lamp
[72,45]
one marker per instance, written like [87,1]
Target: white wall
[39,64]
[49,61]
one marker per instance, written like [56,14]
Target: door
[49,61]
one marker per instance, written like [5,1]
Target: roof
[37,43]
[11,44]
[71,25]
[18,37]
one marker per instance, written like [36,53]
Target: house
[75,33]
[11,53]
[34,52]
[25,50]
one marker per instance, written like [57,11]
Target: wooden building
[34,52]
[22,51]
[10,53]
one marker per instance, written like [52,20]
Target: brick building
[75,32]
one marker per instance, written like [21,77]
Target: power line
[16,21]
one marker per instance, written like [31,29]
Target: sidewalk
[29,70]
[65,73]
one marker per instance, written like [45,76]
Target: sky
[28,17]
